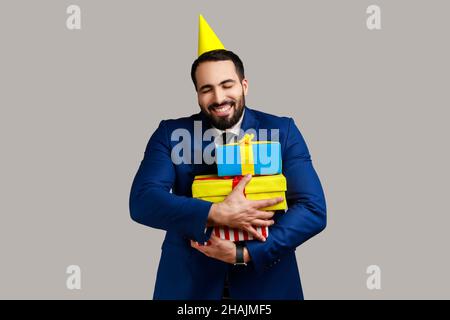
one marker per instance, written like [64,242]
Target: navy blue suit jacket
[161,198]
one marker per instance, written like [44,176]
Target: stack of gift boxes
[261,159]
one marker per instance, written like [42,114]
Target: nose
[219,95]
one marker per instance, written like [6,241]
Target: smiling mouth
[222,111]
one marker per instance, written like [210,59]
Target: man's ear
[244,84]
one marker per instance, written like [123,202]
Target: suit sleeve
[151,201]
[306,214]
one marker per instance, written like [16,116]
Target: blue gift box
[248,157]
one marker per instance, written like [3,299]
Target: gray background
[78,107]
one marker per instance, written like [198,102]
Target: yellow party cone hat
[207,39]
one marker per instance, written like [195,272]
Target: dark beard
[223,124]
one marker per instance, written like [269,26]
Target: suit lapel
[250,122]
[202,168]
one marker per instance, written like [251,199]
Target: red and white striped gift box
[232,234]
[227,233]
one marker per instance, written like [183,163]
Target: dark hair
[218,55]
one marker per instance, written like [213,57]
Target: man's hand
[224,250]
[236,211]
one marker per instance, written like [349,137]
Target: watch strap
[240,253]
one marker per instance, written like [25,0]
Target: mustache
[216,105]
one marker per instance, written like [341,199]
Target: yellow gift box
[214,188]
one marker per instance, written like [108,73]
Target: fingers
[199,246]
[213,238]
[243,183]
[258,204]
[264,215]
[262,223]
[255,234]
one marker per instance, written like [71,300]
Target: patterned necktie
[228,137]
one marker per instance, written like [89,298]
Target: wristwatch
[240,254]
